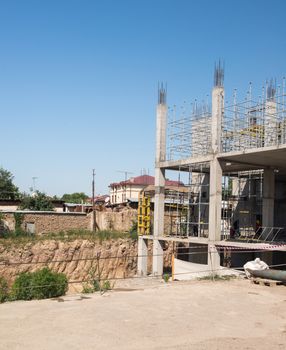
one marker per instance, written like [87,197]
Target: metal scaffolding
[251,123]
[187,206]
[241,204]
[255,123]
[189,131]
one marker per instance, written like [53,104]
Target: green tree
[37,201]
[77,197]
[7,189]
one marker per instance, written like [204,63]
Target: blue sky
[78,78]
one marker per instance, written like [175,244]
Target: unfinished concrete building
[233,157]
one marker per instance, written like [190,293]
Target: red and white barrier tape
[251,247]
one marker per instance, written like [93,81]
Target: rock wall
[77,258]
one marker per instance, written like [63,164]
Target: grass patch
[22,237]
[217,277]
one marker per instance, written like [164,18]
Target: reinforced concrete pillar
[158,257]
[268,198]
[159,204]
[214,213]
[271,122]
[142,256]
[215,191]
[268,208]
[217,109]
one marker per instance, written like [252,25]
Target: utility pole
[93,203]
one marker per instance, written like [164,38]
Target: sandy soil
[181,315]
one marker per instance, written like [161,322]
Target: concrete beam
[176,164]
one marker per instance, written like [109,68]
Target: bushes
[22,288]
[133,230]
[95,282]
[96,286]
[4,290]
[40,284]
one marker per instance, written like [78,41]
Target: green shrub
[40,284]
[4,290]
[96,286]
[48,284]
[106,285]
[133,230]
[22,287]
[95,282]
[86,288]
[166,277]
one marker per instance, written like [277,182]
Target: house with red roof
[128,191]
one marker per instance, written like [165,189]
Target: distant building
[99,201]
[128,191]
[14,204]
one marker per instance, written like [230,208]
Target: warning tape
[250,247]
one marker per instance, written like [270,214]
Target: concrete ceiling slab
[274,158]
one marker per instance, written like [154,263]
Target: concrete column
[217,109]
[268,208]
[161,125]
[158,258]
[159,204]
[142,256]
[215,178]
[159,172]
[159,182]
[268,198]
[271,123]
[214,212]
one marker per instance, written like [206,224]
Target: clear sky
[78,78]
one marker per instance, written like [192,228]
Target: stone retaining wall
[46,222]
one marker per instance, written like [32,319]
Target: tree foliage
[7,189]
[36,201]
[77,197]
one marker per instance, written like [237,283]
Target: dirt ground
[180,315]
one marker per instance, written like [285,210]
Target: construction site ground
[234,314]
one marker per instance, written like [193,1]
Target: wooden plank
[267,282]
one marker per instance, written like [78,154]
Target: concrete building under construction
[233,159]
